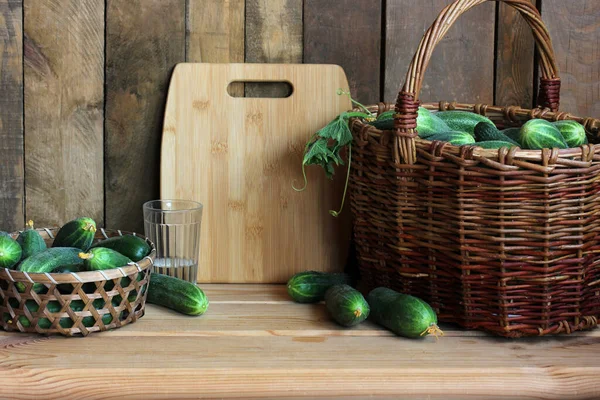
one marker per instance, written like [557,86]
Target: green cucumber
[402,314]
[513,133]
[495,144]
[101,258]
[176,294]
[78,233]
[310,286]
[572,131]
[47,261]
[2,233]
[454,138]
[539,134]
[31,241]
[10,252]
[130,246]
[485,132]
[346,305]
[427,122]
[462,121]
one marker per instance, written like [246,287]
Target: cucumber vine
[324,147]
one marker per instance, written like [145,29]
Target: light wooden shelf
[255,343]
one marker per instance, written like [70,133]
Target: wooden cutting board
[239,156]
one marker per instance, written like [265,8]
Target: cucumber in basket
[130,246]
[572,131]
[346,305]
[539,134]
[310,286]
[10,252]
[31,241]
[47,261]
[176,294]
[78,233]
[486,132]
[462,121]
[402,314]
[101,258]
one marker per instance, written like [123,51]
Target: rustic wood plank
[11,115]
[462,66]
[575,30]
[145,39]
[215,33]
[273,35]
[178,366]
[64,110]
[347,33]
[515,59]
[246,293]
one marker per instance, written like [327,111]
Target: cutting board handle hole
[265,89]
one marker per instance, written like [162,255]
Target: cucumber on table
[130,246]
[31,241]
[539,134]
[78,233]
[402,314]
[10,252]
[346,305]
[100,258]
[485,132]
[572,131]
[310,286]
[176,294]
[462,121]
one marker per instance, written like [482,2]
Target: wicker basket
[500,240]
[97,290]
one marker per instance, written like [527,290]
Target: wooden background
[83,82]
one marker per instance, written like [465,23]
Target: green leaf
[317,151]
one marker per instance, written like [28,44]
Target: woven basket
[500,240]
[97,290]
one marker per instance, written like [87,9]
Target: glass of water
[174,227]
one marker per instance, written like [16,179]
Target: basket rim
[83,276]
[511,114]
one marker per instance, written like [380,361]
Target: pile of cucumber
[466,128]
[402,314]
[74,250]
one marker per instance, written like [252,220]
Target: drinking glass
[174,227]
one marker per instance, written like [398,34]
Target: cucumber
[485,132]
[310,286]
[47,261]
[346,305]
[539,134]
[572,131]
[130,246]
[462,121]
[495,144]
[455,138]
[176,294]
[2,233]
[31,241]
[402,314]
[101,258]
[10,252]
[78,233]
[513,133]
[427,122]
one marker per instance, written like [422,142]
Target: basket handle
[407,104]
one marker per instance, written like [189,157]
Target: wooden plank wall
[83,82]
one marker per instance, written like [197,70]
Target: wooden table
[255,343]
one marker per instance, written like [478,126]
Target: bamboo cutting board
[239,156]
